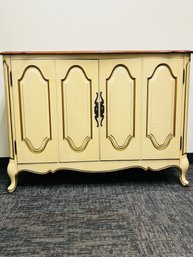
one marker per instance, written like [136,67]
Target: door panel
[77,84]
[162,92]
[35,110]
[120,131]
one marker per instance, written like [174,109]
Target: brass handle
[102,109]
[96,109]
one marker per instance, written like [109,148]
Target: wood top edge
[97,52]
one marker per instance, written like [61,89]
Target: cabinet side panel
[186,98]
[8,94]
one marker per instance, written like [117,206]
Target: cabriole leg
[184,165]
[12,172]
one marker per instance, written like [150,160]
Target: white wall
[94,24]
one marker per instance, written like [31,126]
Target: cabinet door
[77,85]
[162,100]
[35,110]
[120,128]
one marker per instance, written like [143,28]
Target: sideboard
[96,111]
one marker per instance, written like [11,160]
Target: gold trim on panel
[6,66]
[170,136]
[109,135]
[117,146]
[160,146]
[24,138]
[78,148]
[66,137]
[39,149]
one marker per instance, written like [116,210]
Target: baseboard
[4,160]
[190,157]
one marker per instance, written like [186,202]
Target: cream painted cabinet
[96,112]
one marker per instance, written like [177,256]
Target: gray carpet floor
[124,214]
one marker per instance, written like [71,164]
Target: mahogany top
[97,52]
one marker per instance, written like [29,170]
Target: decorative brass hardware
[96,109]
[102,109]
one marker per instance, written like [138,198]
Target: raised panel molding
[157,116]
[69,91]
[25,128]
[131,82]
